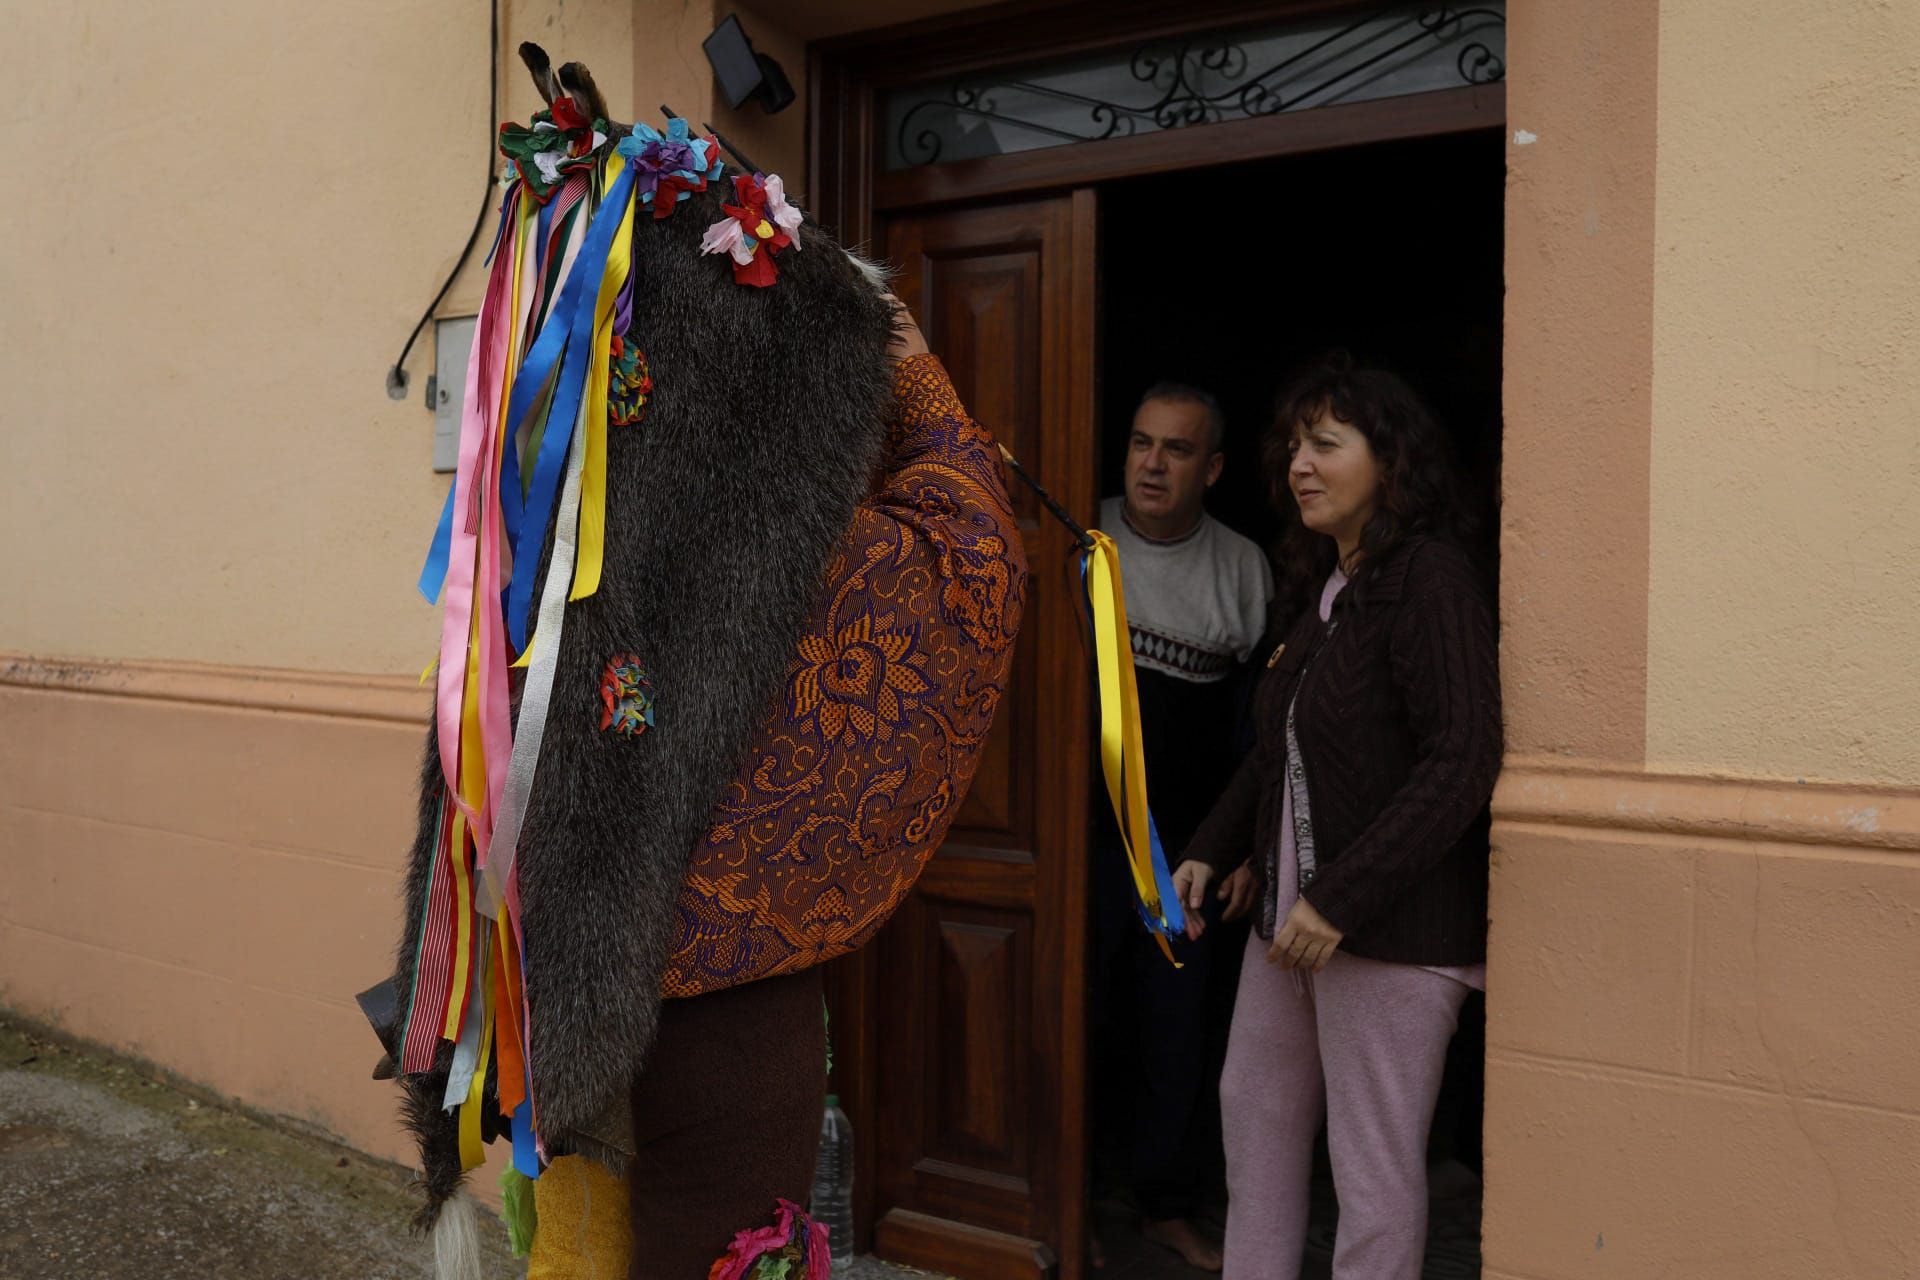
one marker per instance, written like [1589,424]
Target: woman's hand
[907,338]
[1238,891]
[1305,940]
[1190,882]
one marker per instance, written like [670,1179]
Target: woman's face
[1335,479]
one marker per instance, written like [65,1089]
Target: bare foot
[1179,1235]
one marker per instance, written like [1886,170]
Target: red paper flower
[752,232]
[567,116]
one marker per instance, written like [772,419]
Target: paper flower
[626,696]
[670,166]
[794,1247]
[784,215]
[629,383]
[557,143]
[567,115]
[760,225]
[726,236]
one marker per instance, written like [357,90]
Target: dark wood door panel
[984,876]
[974,1064]
[976,291]
[975,283]
[968,1076]
[957,1135]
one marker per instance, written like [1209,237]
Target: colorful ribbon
[1122,754]
[564,352]
[533,456]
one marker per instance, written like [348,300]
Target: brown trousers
[726,1120]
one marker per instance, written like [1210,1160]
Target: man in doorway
[1197,596]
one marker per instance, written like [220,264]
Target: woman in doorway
[1362,813]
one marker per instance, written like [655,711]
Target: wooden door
[961,1028]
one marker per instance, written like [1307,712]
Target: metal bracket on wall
[446,387]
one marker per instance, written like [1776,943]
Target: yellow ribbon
[1122,756]
[462,926]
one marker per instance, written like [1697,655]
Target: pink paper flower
[784,215]
[726,236]
[750,1246]
[819,1259]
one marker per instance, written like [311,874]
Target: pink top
[1287,881]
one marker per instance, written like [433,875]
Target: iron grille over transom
[1241,74]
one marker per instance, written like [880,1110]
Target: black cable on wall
[397,375]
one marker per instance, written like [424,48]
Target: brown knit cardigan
[1398,722]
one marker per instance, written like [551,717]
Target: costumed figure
[730,597]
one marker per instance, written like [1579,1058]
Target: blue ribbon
[525,1157]
[1170,903]
[567,340]
[433,574]
[512,506]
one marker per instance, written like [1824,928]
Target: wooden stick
[1080,535]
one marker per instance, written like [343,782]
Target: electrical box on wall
[447,388]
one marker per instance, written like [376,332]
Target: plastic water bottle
[832,1205]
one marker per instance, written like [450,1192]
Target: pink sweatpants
[1364,1042]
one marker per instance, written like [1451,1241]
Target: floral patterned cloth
[850,784]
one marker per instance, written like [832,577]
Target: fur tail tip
[456,1240]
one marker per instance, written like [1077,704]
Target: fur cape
[762,434]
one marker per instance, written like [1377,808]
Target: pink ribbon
[475,469]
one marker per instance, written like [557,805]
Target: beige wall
[1703,1028]
[1784,616]
[201,462]
[200,459]
[201,868]
[1573,604]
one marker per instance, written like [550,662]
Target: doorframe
[846,76]
[849,191]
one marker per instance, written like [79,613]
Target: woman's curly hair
[1419,491]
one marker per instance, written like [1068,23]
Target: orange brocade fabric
[852,781]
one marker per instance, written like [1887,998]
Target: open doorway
[1227,279]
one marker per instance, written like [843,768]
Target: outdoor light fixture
[743,72]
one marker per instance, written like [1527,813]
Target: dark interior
[1229,279]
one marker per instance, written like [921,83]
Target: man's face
[1170,463]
